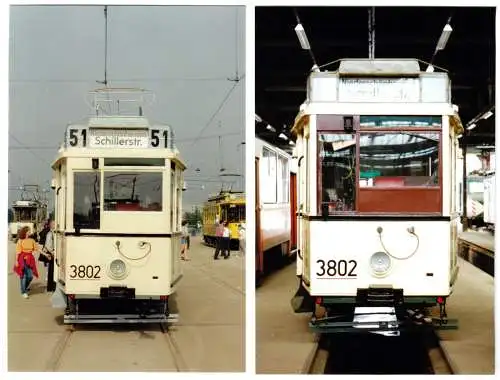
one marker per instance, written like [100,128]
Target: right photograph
[375,190]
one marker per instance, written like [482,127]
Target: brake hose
[411,231]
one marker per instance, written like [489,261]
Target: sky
[185,55]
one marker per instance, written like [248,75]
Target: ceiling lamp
[269,128]
[445,35]
[487,115]
[301,35]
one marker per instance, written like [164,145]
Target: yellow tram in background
[229,206]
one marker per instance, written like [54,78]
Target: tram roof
[118,153]
[23,204]
[228,197]
[282,67]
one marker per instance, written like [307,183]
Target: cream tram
[27,213]
[118,182]
[275,198]
[378,211]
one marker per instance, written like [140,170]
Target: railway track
[64,341]
[372,354]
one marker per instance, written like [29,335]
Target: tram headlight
[380,262]
[118,269]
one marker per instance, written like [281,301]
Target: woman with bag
[25,264]
[184,247]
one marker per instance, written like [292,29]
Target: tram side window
[132,191]
[86,198]
[399,159]
[172,187]
[284,185]
[268,177]
[178,202]
[338,172]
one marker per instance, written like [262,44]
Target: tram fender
[58,298]
[302,302]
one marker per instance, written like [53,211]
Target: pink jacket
[219,230]
[25,258]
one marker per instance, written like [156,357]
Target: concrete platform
[208,338]
[471,348]
[284,342]
[283,339]
[480,238]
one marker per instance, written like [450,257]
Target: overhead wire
[89,81]
[38,157]
[228,94]
[237,79]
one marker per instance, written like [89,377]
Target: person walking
[184,248]
[219,230]
[226,241]
[25,264]
[49,250]
[42,237]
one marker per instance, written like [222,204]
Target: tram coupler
[376,320]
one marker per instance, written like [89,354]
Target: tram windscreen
[399,159]
[86,198]
[133,191]
[383,164]
[233,213]
[25,214]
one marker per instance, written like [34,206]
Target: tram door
[259,256]
[293,210]
[60,219]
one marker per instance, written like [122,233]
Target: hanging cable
[216,112]
[105,81]
[38,157]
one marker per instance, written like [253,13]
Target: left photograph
[126,189]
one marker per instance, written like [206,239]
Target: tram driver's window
[235,213]
[86,198]
[132,191]
[401,159]
[338,172]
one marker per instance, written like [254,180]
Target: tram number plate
[85,272]
[336,268]
[117,292]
